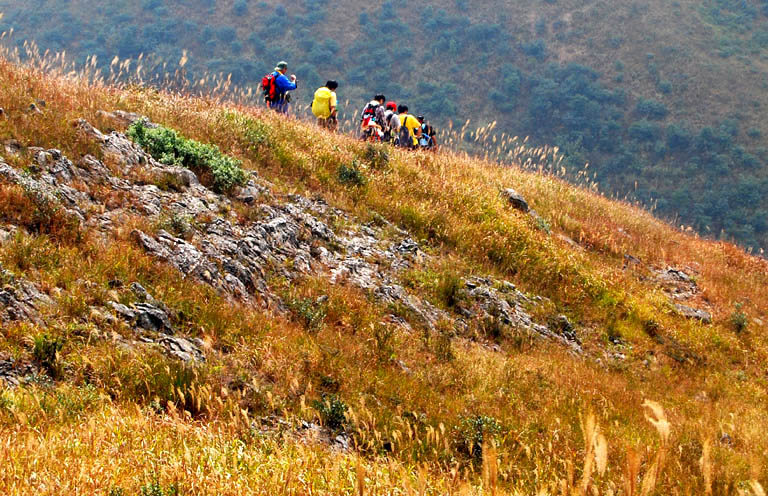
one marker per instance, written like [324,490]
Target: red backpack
[269,86]
[369,114]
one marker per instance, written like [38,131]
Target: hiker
[427,139]
[324,106]
[276,86]
[410,129]
[391,122]
[372,119]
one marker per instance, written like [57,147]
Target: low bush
[377,156]
[351,174]
[46,351]
[473,432]
[739,320]
[170,148]
[309,312]
[332,411]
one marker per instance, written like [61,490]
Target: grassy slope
[681,39]
[538,392]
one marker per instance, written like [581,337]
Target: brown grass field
[119,422]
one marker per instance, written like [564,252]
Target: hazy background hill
[663,98]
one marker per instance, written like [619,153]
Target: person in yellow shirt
[412,125]
[324,106]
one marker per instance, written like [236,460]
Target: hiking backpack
[269,86]
[388,126]
[404,136]
[369,114]
[426,141]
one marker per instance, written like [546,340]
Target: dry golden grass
[89,439]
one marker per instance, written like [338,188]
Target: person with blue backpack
[427,138]
[276,86]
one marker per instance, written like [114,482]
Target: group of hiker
[379,121]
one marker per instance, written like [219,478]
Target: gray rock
[482,301]
[12,147]
[21,300]
[563,326]
[183,349]
[694,313]
[144,316]
[13,374]
[538,219]
[292,237]
[153,318]
[341,442]
[251,192]
[516,200]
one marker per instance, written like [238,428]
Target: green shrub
[384,339]
[46,351]
[332,411]
[739,320]
[154,488]
[309,312]
[442,345]
[179,225]
[377,156]
[450,289]
[70,402]
[351,174]
[473,432]
[168,147]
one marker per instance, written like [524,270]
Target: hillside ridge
[239,303]
[663,100]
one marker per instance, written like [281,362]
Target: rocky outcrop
[144,316]
[694,313]
[501,303]
[681,287]
[20,300]
[150,318]
[184,349]
[288,237]
[677,283]
[516,200]
[13,373]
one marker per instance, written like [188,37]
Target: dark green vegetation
[664,100]
[166,146]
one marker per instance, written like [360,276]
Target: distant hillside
[663,99]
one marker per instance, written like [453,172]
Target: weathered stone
[292,237]
[183,349]
[481,301]
[516,200]
[152,318]
[563,326]
[12,147]
[14,374]
[20,300]
[694,313]
[144,316]
[251,192]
